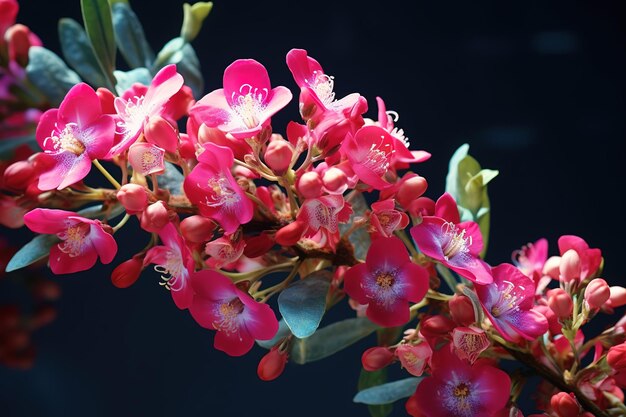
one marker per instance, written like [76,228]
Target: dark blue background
[536,88]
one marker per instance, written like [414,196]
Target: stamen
[222,193]
[229,312]
[323,86]
[378,158]
[73,239]
[508,300]
[457,242]
[172,272]
[69,139]
[385,280]
[249,104]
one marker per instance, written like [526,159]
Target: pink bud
[107,98]
[551,267]
[133,197]
[564,405]
[18,39]
[436,326]
[146,158]
[127,273]
[411,190]
[462,310]
[161,133]
[197,229]
[597,293]
[376,358]
[272,364]
[186,148]
[618,296]
[310,185]
[560,302]
[19,175]
[155,217]
[423,206]
[335,180]
[278,155]
[8,13]
[258,245]
[616,358]
[569,268]
[290,235]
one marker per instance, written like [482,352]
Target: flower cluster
[324,211]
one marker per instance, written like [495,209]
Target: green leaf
[193,18]
[389,392]
[78,53]
[125,79]
[100,212]
[171,179]
[360,239]
[371,379]
[453,172]
[130,37]
[49,74]
[331,339]
[99,28]
[303,303]
[178,52]
[35,250]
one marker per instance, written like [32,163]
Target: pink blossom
[370,152]
[385,219]
[212,188]
[323,215]
[456,389]
[508,303]
[146,158]
[224,250]
[387,282]
[531,258]
[246,103]
[469,342]
[414,358]
[456,245]
[174,261]
[218,304]
[590,259]
[73,135]
[82,240]
[134,110]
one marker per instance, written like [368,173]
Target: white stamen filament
[249,105]
[69,139]
[457,242]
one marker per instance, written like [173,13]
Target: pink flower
[531,258]
[82,240]
[370,152]
[225,250]
[469,342]
[323,215]
[212,188]
[414,358]
[146,158]
[174,261]
[454,244]
[456,389]
[245,104]
[387,281]
[590,259]
[239,320]
[385,219]
[134,111]
[73,135]
[508,303]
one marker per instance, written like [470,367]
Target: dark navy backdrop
[536,88]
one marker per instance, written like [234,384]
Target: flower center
[222,194]
[172,271]
[68,140]
[508,300]
[73,239]
[458,241]
[323,86]
[461,391]
[133,114]
[229,313]
[385,280]
[249,104]
[459,400]
[377,158]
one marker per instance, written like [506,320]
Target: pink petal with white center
[47,221]
[146,158]
[69,169]
[214,110]
[279,98]
[369,153]
[98,136]
[246,76]
[303,67]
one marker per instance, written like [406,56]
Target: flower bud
[107,98]
[193,17]
[155,217]
[8,13]
[310,185]
[19,175]
[414,357]
[564,405]
[462,310]
[161,133]
[133,197]
[127,273]
[290,235]
[335,180]
[18,39]
[436,326]
[551,267]
[597,293]
[617,297]
[560,302]
[616,358]
[411,190]
[272,364]
[377,358]
[278,155]
[258,245]
[197,229]
[569,268]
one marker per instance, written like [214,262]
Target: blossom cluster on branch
[329,211]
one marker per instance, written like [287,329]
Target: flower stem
[108,176]
[121,223]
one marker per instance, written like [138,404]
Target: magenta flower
[212,188]
[508,303]
[173,259]
[218,304]
[82,240]
[323,215]
[454,244]
[387,281]
[385,219]
[456,389]
[370,152]
[73,135]
[245,104]
[135,111]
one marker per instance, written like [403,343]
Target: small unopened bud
[410,190]
[569,268]
[127,273]
[377,358]
[551,267]
[616,358]
[197,229]
[193,17]
[272,364]
[564,405]
[258,245]
[560,302]
[19,175]
[437,326]
[278,155]
[290,235]
[310,185]
[597,293]
[335,179]
[18,39]
[155,217]
[133,197]
[161,133]
[618,296]
[107,98]
[462,310]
